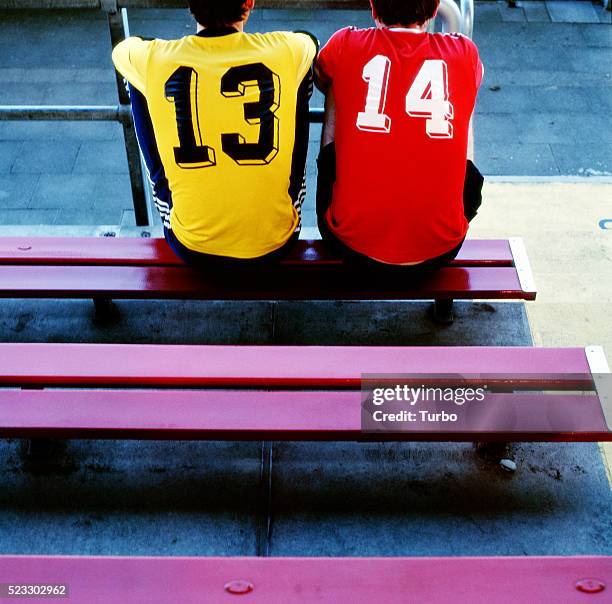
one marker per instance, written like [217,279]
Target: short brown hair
[404,12]
[217,13]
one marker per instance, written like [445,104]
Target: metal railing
[453,17]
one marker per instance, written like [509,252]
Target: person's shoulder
[297,43]
[168,44]
[168,50]
[284,37]
[163,47]
[350,33]
[278,41]
[347,38]
[456,40]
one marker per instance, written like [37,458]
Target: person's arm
[326,162]
[131,58]
[474,180]
[478,76]
[321,79]
[328,133]
[307,51]
[324,77]
[324,83]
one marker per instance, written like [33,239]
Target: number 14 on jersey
[427,98]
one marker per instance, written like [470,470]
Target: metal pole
[467,14]
[150,204]
[85,113]
[118,27]
[177,4]
[75,113]
[452,21]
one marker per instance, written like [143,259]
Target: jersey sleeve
[329,56]
[305,47]
[476,62]
[131,57]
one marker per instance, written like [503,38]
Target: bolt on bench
[460,580]
[135,268]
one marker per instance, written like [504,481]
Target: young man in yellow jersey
[222,121]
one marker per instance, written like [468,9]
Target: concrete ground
[547,120]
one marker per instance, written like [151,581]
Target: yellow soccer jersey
[222,124]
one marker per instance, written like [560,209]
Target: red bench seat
[279,366]
[467,580]
[147,268]
[280,415]
[288,392]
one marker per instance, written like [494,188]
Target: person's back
[403,102]
[229,117]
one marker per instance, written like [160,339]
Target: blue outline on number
[604,222]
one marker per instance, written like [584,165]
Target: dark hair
[404,12]
[216,13]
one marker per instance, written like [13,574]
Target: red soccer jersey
[403,105]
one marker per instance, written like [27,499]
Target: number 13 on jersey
[427,98]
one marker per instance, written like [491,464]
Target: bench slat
[149,282]
[272,366]
[281,415]
[138,251]
[461,580]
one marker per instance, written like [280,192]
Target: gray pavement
[543,109]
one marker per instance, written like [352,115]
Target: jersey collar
[412,30]
[212,32]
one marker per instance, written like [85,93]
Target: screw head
[238,587]
[590,586]
[24,248]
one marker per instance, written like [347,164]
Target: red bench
[492,580]
[290,393]
[33,267]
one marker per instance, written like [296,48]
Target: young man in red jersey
[394,192]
